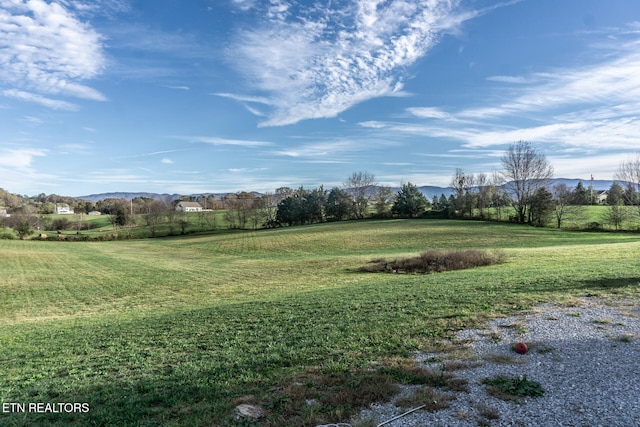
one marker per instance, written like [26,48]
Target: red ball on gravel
[521,348]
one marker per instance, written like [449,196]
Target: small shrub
[627,338]
[595,226]
[510,388]
[7,235]
[61,224]
[435,261]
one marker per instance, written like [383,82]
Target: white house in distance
[189,207]
[62,209]
[602,197]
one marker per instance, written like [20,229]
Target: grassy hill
[177,331]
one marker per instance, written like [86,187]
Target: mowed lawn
[173,331]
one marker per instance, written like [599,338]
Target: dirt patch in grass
[436,261]
[432,399]
[321,396]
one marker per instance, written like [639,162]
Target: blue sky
[199,96]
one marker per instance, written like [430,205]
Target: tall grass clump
[436,261]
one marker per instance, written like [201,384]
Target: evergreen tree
[581,195]
[339,205]
[542,207]
[409,201]
[615,194]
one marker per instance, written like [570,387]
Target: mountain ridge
[428,190]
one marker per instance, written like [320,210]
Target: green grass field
[174,331]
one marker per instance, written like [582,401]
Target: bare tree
[156,210]
[382,201]
[462,185]
[616,215]
[564,204]
[359,185]
[483,189]
[629,174]
[525,170]
[498,196]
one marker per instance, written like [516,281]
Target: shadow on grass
[594,287]
[610,284]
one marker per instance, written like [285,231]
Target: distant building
[64,210]
[95,213]
[189,207]
[602,197]
[3,213]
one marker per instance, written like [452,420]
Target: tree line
[519,192]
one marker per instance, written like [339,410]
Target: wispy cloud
[47,49]
[75,149]
[109,8]
[592,106]
[508,79]
[139,37]
[323,60]
[427,113]
[224,141]
[55,104]
[243,170]
[33,121]
[333,150]
[245,98]
[178,87]
[244,4]
[246,101]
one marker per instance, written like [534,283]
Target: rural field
[178,331]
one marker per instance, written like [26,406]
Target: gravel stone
[585,356]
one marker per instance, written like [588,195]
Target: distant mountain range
[571,183]
[128,196]
[157,196]
[428,190]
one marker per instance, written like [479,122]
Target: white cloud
[45,48]
[167,161]
[326,59]
[20,159]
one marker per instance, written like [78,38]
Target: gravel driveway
[585,356]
